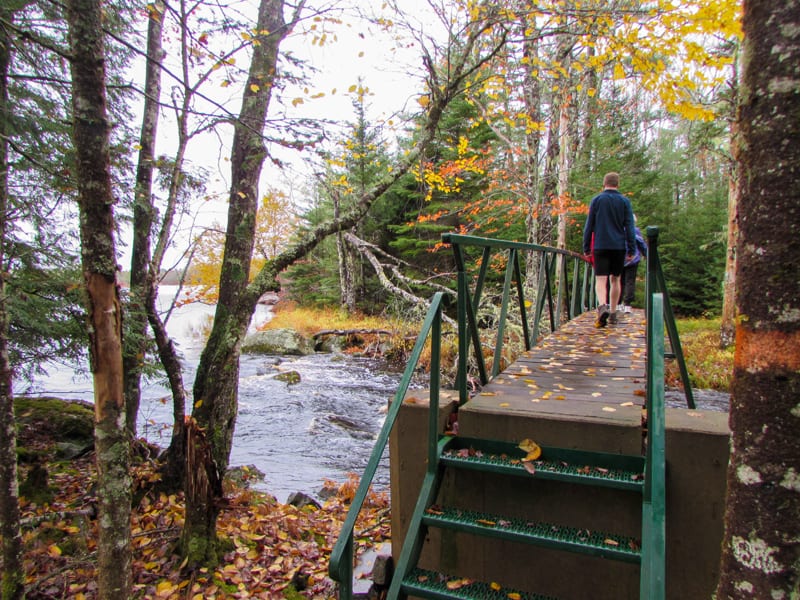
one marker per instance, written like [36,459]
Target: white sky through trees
[387,62]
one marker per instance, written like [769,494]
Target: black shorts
[609,262]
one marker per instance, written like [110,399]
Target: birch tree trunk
[728,324]
[760,550]
[532,96]
[12,573]
[91,139]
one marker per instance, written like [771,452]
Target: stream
[298,435]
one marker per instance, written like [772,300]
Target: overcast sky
[389,68]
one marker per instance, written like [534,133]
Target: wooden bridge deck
[579,370]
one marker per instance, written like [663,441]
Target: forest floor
[272,550]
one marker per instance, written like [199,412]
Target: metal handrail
[340,567]
[652,580]
[657,284]
[552,290]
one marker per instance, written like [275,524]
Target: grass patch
[308,320]
[710,367]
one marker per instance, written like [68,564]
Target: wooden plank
[579,370]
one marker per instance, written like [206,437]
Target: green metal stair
[620,472]
[429,584]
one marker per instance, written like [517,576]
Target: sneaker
[621,308]
[613,317]
[603,313]
[627,310]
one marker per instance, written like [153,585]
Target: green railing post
[501,326]
[652,581]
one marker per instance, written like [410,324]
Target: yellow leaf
[198,404]
[164,588]
[455,584]
[495,586]
[54,551]
[297,101]
[504,405]
[514,596]
[532,448]
[609,409]
[352,88]
[254,87]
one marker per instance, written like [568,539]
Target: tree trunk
[532,96]
[216,383]
[728,325]
[215,388]
[347,291]
[112,446]
[728,320]
[760,551]
[550,175]
[12,573]
[143,216]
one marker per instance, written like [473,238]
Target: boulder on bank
[277,341]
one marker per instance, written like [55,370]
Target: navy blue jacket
[611,221]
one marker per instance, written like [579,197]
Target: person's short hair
[611,180]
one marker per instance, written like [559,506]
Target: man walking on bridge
[609,237]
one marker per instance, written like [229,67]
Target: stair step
[562,464]
[546,535]
[431,584]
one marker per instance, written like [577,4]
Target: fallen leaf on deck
[456,584]
[609,409]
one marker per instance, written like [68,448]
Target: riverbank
[273,550]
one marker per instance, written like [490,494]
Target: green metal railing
[656,284]
[652,578]
[552,291]
[340,567]
[565,283]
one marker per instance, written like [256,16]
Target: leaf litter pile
[271,550]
